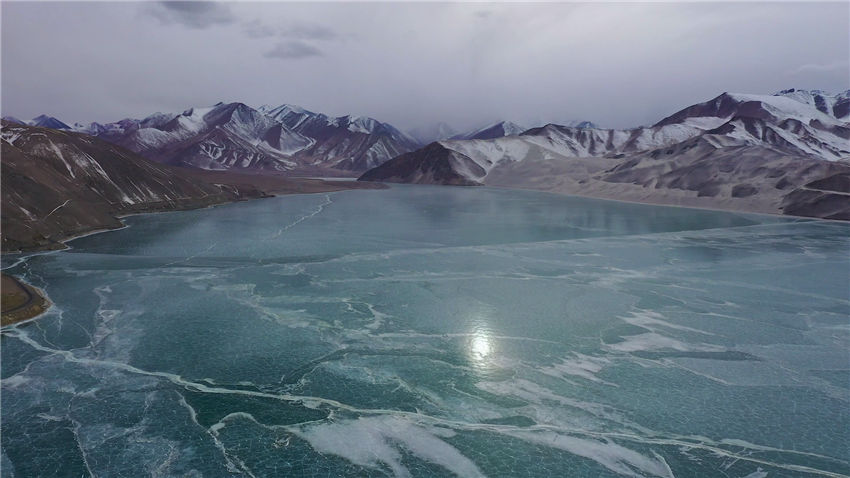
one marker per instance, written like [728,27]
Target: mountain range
[227,136]
[782,153]
[60,183]
[285,138]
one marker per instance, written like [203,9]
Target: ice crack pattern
[457,333]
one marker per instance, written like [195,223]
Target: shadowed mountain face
[350,143]
[41,120]
[57,184]
[742,152]
[56,181]
[235,136]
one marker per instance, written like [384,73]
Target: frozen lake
[431,331]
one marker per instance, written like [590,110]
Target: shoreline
[59,242]
[38,302]
[21,301]
[661,204]
[737,210]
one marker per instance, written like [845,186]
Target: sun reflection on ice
[480,346]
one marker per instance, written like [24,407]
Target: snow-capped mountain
[837,106]
[14,120]
[353,143]
[222,136]
[495,130]
[580,124]
[434,132]
[59,183]
[43,121]
[705,150]
[790,120]
[286,138]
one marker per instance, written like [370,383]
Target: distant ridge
[234,136]
[761,153]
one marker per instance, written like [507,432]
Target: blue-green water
[427,331]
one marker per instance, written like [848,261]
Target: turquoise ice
[436,331]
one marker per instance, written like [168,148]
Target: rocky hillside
[743,152]
[57,184]
[349,143]
[235,136]
[496,130]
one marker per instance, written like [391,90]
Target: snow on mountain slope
[48,122]
[580,124]
[222,136]
[793,105]
[837,106]
[434,132]
[735,151]
[354,143]
[43,121]
[57,183]
[559,142]
[783,107]
[791,135]
[496,130]
[286,138]
[12,119]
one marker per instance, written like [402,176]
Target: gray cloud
[258,29]
[310,31]
[193,14]
[409,64]
[297,31]
[838,65]
[293,50]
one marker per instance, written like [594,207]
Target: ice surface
[428,331]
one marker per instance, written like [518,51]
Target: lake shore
[20,301]
[241,187]
[679,201]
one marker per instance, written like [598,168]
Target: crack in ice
[301,219]
[418,417]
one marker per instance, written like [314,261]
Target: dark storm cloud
[412,64]
[193,14]
[293,50]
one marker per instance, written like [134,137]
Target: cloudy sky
[411,64]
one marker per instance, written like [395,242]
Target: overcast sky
[411,64]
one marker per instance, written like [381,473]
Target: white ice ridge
[602,450]
[649,318]
[653,341]
[370,441]
[319,209]
[579,365]
[616,458]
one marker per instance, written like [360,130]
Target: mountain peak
[433,132]
[493,130]
[45,121]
